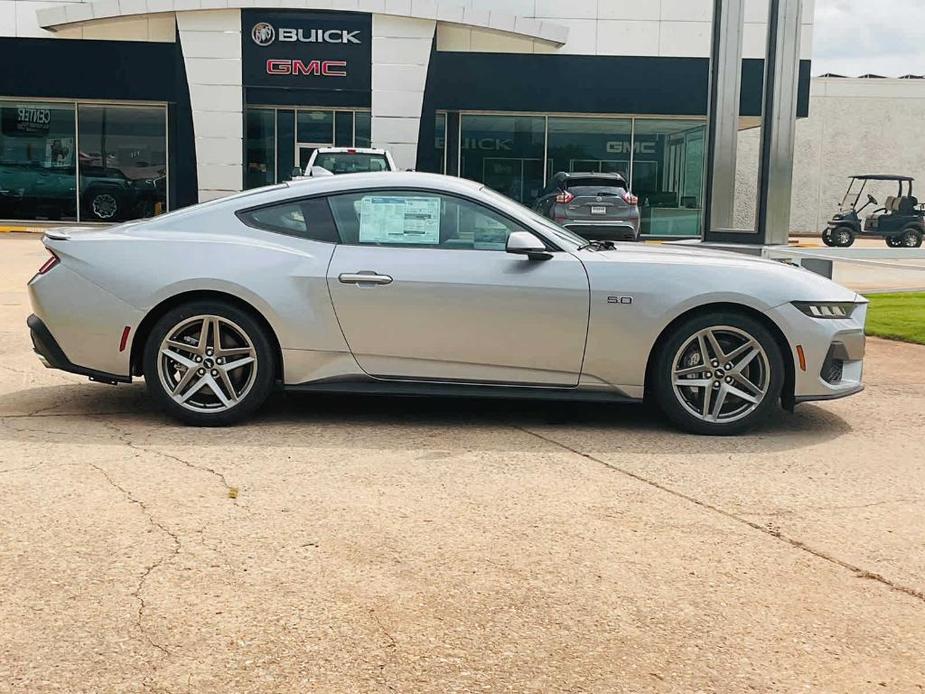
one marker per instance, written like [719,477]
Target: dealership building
[114,109]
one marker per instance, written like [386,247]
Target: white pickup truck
[341,160]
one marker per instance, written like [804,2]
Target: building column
[723,124]
[211,44]
[401,55]
[778,126]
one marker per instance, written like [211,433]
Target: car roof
[350,150]
[381,179]
[882,177]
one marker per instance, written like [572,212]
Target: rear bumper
[53,357]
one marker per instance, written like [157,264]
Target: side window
[306,219]
[419,219]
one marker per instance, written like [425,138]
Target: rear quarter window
[307,219]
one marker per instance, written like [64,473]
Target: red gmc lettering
[325,68]
[279,67]
[334,68]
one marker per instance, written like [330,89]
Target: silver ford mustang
[419,284]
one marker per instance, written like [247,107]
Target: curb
[20,230]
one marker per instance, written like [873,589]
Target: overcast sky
[853,37]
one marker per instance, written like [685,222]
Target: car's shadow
[92,414]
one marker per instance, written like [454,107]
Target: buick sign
[264,34]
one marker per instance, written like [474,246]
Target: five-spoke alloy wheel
[718,373]
[209,363]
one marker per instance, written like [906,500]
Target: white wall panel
[629,37]
[564,9]
[211,43]
[687,10]
[401,54]
[7,18]
[644,10]
[684,39]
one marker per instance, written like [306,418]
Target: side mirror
[296,172]
[525,243]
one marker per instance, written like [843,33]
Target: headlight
[826,309]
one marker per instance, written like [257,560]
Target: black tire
[893,241]
[842,237]
[827,238]
[669,398]
[260,383]
[911,237]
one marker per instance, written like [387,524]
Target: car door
[423,289]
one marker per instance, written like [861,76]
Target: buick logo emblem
[263,34]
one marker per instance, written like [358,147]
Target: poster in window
[59,151]
[395,219]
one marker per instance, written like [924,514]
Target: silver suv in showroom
[596,206]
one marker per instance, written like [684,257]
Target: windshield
[548,225]
[347,162]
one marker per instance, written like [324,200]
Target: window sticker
[398,219]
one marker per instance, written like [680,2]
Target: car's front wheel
[209,363]
[718,373]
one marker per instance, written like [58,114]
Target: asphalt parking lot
[363,544]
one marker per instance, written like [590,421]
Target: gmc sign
[325,68]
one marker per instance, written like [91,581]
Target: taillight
[49,264]
[564,197]
[630,199]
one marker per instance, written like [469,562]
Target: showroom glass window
[440,143]
[600,145]
[506,153]
[363,129]
[122,164]
[419,219]
[279,139]
[260,148]
[38,154]
[667,175]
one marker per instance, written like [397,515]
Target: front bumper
[53,357]
[833,352]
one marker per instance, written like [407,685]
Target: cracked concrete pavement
[408,545]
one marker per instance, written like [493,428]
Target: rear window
[599,191]
[341,163]
[595,186]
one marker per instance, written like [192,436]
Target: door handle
[364,277]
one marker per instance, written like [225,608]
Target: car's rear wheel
[894,241]
[718,373]
[209,363]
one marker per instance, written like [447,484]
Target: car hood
[723,271]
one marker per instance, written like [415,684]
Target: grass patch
[897,316]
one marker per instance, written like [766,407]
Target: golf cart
[899,221]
